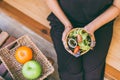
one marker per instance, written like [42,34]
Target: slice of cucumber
[72,43]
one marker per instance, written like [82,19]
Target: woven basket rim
[6,67]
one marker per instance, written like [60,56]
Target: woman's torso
[84,11]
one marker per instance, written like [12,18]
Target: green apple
[31,69]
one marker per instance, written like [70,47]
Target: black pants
[87,67]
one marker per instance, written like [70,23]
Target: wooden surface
[113,57]
[16,29]
[112,73]
[26,20]
[32,8]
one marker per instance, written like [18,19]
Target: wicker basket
[67,48]
[14,68]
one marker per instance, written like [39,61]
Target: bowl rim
[66,43]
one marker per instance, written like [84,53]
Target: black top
[82,11]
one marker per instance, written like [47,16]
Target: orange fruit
[23,54]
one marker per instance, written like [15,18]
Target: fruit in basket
[23,54]
[31,70]
[78,41]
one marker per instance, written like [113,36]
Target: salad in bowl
[78,42]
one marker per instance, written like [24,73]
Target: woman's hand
[91,33]
[66,30]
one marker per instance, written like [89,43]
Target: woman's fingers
[93,41]
[67,29]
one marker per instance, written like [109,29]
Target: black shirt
[82,11]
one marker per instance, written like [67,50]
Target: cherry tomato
[77,48]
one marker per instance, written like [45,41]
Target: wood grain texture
[32,8]
[26,20]
[112,73]
[113,57]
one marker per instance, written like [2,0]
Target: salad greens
[85,42]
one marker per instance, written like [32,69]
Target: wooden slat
[113,57]
[112,72]
[3,37]
[9,40]
[26,20]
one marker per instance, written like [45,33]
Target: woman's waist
[76,23]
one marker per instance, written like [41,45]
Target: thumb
[64,35]
[93,41]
